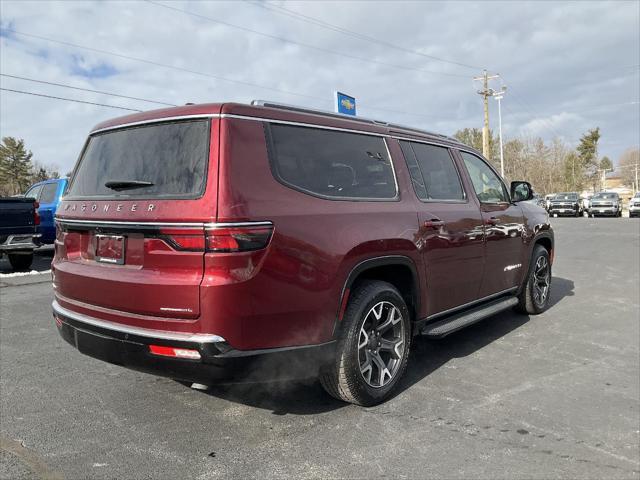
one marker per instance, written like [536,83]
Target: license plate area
[110,249]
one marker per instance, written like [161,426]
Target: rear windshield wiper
[127,184]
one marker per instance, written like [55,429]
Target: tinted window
[439,175]
[414,170]
[34,192]
[488,186]
[330,163]
[171,156]
[48,194]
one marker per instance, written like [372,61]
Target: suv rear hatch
[130,234]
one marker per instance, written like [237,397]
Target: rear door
[450,236]
[131,234]
[504,227]
[48,201]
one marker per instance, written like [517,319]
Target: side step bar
[464,319]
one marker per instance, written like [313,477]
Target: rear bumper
[20,242]
[219,362]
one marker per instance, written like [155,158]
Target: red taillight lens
[174,352]
[238,239]
[36,215]
[227,239]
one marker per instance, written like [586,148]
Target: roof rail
[326,113]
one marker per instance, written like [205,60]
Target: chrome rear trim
[157,120]
[142,332]
[142,224]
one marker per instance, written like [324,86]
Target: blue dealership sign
[345,104]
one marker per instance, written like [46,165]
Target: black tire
[20,261]
[344,378]
[531,299]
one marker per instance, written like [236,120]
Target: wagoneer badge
[93,207]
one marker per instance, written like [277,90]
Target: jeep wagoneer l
[219,242]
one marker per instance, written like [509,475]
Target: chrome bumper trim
[142,332]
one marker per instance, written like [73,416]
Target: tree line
[18,170]
[551,166]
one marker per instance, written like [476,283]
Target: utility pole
[486,92]
[498,96]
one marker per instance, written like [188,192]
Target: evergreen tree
[15,166]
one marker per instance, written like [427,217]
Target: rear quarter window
[331,164]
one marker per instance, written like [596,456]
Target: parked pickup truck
[566,204]
[19,221]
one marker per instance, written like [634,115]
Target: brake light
[36,215]
[238,239]
[174,352]
[221,240]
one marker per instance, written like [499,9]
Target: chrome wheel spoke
[382,371]
[392,346]
[367,368]
[393,317]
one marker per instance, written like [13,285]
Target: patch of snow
[23,274]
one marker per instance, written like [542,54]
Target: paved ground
[555,396]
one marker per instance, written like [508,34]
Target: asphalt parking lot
[552,396]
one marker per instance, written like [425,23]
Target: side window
[433,172]
[486,183]
[48,194]
[414,170]
[34,192]
[331,163]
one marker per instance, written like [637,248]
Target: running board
[464,319]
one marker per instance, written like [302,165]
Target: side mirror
[521,191]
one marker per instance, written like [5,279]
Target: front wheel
[373,348]
[534,297]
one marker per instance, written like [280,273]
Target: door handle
[492,221]
[434,223]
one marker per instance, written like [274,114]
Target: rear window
[160,160]
[331,164]
[48,194]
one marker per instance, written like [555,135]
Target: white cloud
[556,60]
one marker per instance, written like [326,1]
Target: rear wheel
[534,297]
[373,348]
[20,261]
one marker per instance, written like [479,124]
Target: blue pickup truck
[48,194]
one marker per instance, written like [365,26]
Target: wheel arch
[398,270]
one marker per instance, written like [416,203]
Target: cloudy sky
[568,66]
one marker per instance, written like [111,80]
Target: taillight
[220,240]
[36,215]
[238,239]
[183,239]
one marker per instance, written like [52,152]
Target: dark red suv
[225,242]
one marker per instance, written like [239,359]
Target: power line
[69,99]
[336,28]
[172,67]
[164,65]
[305,45]
[86,89]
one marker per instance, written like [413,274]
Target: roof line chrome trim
[142,332]
[198,225]
[302,124]
[156,120]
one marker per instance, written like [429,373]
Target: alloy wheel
[542,280]
[381,344]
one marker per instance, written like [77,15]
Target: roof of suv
[274,111]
